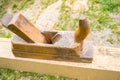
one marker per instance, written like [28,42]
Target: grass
[9,74]
[6,34]
[98,14]
[110,40]
[21,4]
[104,20]
[16,6]
[3,6]
[66,22]
[46,3]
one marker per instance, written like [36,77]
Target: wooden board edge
[61,70]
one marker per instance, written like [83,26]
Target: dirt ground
[44,19]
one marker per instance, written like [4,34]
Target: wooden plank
[23,28]
[105,66]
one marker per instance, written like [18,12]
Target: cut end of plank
[6,19]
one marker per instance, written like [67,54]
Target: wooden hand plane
[29,42]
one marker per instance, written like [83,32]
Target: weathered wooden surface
[23,28]
[105,66]
[63,49]
[83,29]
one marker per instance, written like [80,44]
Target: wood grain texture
[23,28]
[83,29]
[64,49]
[105,66]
